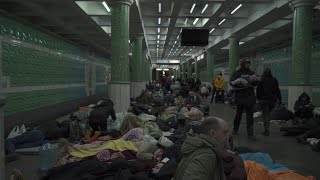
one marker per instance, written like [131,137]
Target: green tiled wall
[38,59]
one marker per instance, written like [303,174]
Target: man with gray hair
[201,153]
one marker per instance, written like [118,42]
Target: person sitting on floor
[193,100]
[204,92]
[202,158]
[303,107]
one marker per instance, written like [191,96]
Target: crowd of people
[167,134]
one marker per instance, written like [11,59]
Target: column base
[120,95]
[294,92]
[136,88]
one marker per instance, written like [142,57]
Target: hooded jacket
[201,160]
[303,109]
[219,82]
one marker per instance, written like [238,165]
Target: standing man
[202,157]
[268,93]
[243,82]
[194,83]
[219,85]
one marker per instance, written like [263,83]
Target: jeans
[237,119]
[213,93]
[266,116]
[220,96]
[28,139]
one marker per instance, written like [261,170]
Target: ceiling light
[236,9]
[178,36]
[223,20]
[106,6]
[159,5]
[158,41]
[180,30]
[158,69]
[129,41]
[175,42]
[159,20]
[204,9]
[158,47]
[195,21]
[241,42]
[165,69]
[158,30]
[158,36]
[185,22]
[212,30]
[192,8]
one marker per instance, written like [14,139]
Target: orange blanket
[257,171]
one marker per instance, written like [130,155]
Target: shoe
[301,140]
[235,132]
[12,157]
[16,175]
[265,133]
[252,138]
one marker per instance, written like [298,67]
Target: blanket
[92,149]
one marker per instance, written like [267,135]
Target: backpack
[76,129]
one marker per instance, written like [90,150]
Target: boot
[266,133]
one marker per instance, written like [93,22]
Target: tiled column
[189,70]
[120,80]
[233,54]
[210,65]
[138,65]
[196,70]
[299,78]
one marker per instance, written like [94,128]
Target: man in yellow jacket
[219,88]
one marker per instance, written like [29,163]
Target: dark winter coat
[233,166]
[246,95]
[303,109]
[268,90]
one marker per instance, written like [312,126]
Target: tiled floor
[284,150]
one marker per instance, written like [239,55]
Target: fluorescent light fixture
[157,49]
[158,69]
[129,41]
[175,42]
[223,20]
[158,46]
[159,6]
[174,61]
[180,30]
[158,30]
[158,36]
[241,42]
[178,36]
[204,9]
[212,30]
[159,20]
[236,9]
[106,6]
[158,41]
[165,69]
[192,8]
[185,22]
[195,21]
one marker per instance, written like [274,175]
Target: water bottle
[47,156]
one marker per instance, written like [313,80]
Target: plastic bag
[117,123]
[14,132]
[147,117]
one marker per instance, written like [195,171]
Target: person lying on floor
[33,138]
